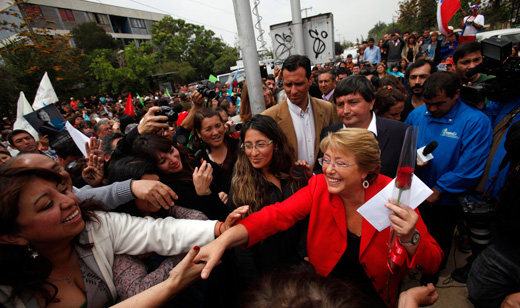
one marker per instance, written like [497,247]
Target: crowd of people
[264,207]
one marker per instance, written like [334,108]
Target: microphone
[429,148]
[424,154]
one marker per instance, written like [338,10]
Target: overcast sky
[352,18]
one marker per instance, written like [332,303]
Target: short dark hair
[463,49]
[355,84]
[107,139]
[341,71]
[349,56]
[441,81]
[292,63]
[68,148]
[420,63]
[371,39]
[331,72]
[16,132]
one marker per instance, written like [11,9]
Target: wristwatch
[415,239]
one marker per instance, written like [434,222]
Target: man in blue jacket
[464,136]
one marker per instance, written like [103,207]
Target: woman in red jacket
[340,242]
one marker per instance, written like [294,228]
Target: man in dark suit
[355,97]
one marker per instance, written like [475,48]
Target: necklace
[69,282]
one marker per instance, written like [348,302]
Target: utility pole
[246,39]
[306,9]
[296,13]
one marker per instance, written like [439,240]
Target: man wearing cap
[471,24]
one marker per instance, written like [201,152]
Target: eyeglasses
[259,146]
[325,162]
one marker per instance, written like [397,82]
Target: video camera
[496,63]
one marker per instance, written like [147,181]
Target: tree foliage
[378,30]
[31,53]
[131,73]
[179,41]
[88,36]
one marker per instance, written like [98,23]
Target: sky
[352,18]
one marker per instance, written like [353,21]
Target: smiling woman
[265,173]
[340,242]
[49,241]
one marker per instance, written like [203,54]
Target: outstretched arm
[181,276]
[212,252]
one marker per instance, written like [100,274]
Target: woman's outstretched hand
[234,217]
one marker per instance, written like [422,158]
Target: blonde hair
[359,142]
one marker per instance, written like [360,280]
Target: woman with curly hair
[265,173]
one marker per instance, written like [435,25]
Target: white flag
[45,95]
[23,109]
[78,137]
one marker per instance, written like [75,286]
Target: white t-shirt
[470,29]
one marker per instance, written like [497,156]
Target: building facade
[124,24]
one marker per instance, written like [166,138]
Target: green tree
[179,41]
[132,76]
[88,36]
[34,51]
[378,30]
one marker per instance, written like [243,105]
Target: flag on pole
[21,123]
[212,78]
[45,94]
[79,138]
[445,11]
[129,108]
[140,99]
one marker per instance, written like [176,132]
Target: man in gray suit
[355,97]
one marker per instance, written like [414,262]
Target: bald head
[40,161]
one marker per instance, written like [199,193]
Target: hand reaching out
[94,147]
[94,172]
[155,192]
[307,170]
[234,217]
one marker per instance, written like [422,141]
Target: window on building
[91,17]
[102,19]
[137,23]
[66,15]
[32,10]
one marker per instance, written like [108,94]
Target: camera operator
[493,280]
[502,112]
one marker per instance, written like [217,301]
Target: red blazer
[327,234]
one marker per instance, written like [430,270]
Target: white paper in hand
[375,212]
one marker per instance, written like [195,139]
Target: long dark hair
[147,147]
[249,185]
[25,274]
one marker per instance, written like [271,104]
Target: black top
[275,252]
[349,269]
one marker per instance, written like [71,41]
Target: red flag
[445,11]
[129,108]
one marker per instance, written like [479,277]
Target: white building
[124,24]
